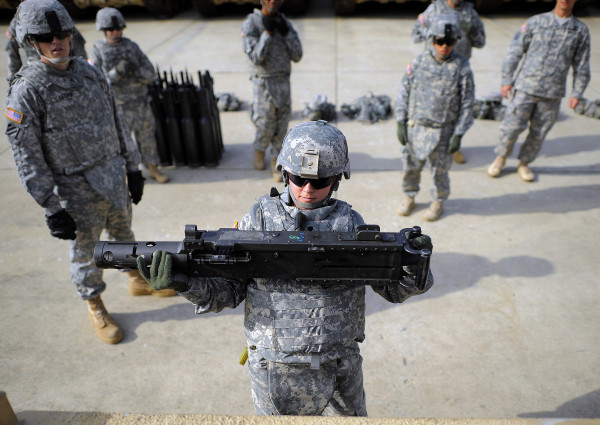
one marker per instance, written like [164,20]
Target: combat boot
[156,175]
[259,159]
[103,323]
[434,211]
[138,286]
[496,167]
[277,176]
[407,205]
[525,172]
[459,158]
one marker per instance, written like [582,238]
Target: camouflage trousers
[141,122]
[271,121]
[334,389]
[92,214]
[427,145]
[540,113]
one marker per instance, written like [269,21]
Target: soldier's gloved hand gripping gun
[365,257]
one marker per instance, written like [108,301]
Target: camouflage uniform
[436,102]
[17,53]
[536,65]
[130,71]
[473,31]
[71,147]
[304,357]
[270,55]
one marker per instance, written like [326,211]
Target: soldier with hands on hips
[72,150]
[472,32]
[271,44]
[534,74]
[129,71]
[303,340]
[434,110]
[18,53]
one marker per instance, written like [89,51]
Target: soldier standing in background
[129,71]
[303,340]
[72,150]
[534,73]
[14,49]
[472,32]
[271,43]
[434,110]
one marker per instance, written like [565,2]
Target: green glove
[161,276]
[402,135]
[454,143]
[420,242]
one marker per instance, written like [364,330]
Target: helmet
[314,149]
[446,27]
[109,17]
[42,17]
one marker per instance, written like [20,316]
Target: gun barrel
[123,255]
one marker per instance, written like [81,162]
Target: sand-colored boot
[525,172]
[435,210]
[138,286]
[496,168]
[259,159]
[156,175]
[277,176]
[103,323]
[459,158]
[407,205]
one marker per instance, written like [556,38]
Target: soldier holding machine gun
[302,339]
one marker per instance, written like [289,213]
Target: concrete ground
[510,329]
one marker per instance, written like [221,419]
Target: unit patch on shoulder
[13,115]
[9,35]
[524,28]
[409,69]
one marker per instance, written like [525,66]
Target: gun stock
[365,257]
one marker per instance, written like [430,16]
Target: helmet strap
[55,61]
[309,205]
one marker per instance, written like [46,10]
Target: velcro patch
[13,115]
[524,28]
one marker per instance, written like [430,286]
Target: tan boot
[496,167]
[259,160]
[459,158]
[525,172]
[277,176]
[407,205]
[103,323]
[156,175]
[434,211]
[138,286]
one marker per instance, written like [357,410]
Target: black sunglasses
[47,38]
[446,41]
[316,183]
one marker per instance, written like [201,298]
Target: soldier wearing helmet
[434,110]
[471,26]
[271,43]
[129,71]
[314,350]
[18,53]
[72,150]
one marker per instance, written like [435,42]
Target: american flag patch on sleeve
[421,18]
[524,28]
[13,115]
[409,68]
[9,35]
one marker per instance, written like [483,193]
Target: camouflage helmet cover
[42,17]
[314,149]
[109,17]
[445,26]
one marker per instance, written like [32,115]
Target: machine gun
[365,257]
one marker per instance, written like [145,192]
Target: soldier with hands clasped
[271,44]
[534,74]
[129,71]
[434,110]
[303,339]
